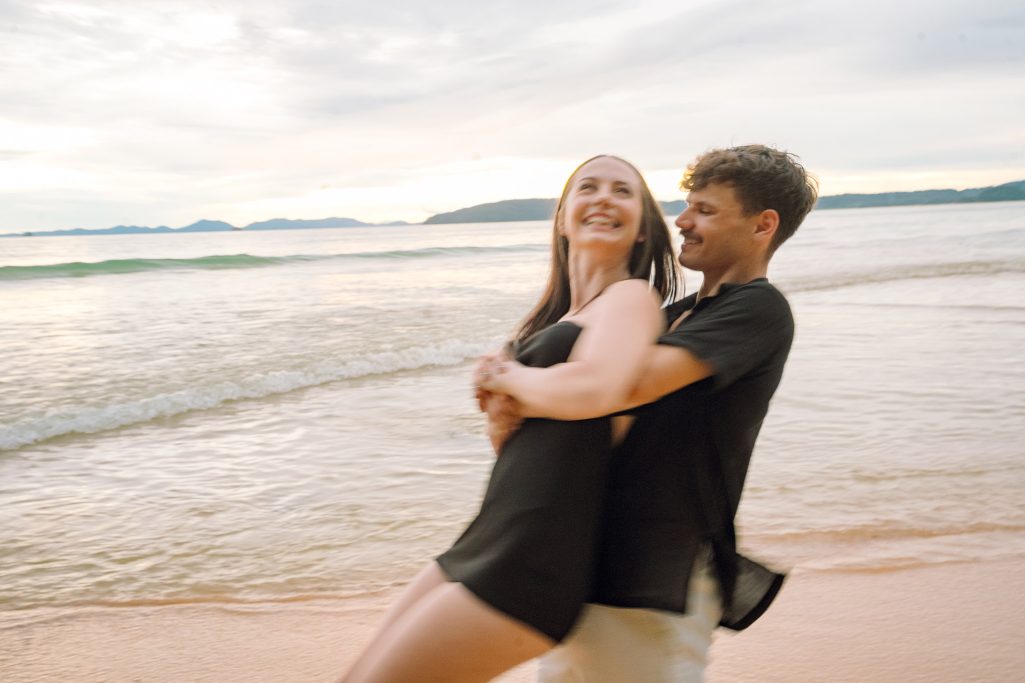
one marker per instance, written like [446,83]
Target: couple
[605,538]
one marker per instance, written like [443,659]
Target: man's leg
[623,645]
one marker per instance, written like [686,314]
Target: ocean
[268,418]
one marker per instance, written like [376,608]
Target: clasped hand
[503,411]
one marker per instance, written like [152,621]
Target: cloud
[189,108]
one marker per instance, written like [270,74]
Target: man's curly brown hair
[763,178]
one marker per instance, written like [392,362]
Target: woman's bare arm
[606,363]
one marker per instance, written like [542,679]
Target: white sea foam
[90,420]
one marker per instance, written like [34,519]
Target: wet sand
[958,622]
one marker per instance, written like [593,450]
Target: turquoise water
[279,416]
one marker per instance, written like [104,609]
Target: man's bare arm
[667,369]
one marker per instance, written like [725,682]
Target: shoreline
[942,622]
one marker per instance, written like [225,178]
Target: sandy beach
[958,622]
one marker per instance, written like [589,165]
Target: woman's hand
[480,369]
[496,373]
[504,413]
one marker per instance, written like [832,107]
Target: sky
[163,113]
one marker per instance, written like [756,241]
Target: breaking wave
[233,261]
[90,420]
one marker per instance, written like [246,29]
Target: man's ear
[766,226]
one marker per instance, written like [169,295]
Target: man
[667,571]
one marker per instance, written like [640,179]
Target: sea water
[272,417]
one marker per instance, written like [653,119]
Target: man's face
[716,231]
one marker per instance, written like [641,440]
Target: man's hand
[504,419]
[504,414]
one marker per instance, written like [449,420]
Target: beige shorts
[624,645]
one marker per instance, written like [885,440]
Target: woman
[515,581]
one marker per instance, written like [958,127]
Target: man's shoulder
[760,289]
[759,296]
[767,298]
[737,316]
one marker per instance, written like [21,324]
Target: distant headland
[541,209]
[210,226]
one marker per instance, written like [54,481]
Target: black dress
[530,551]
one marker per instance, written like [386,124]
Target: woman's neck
[589,275]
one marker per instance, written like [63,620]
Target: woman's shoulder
[630,289]
[625,299]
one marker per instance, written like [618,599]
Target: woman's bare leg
[429,578]
[448,635]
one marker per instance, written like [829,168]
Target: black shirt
[676,480]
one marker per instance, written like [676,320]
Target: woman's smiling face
[604,204]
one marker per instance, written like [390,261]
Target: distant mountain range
[508,210]
[995,193]
[542,209]
[214,226]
